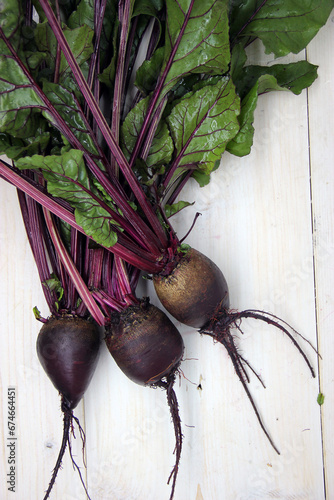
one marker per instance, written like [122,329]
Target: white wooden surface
[267,221]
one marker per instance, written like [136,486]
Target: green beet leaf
[14,148]
[107,76]
[241,144]
[67,106]
[18,100]
[284,26]
[204,46]
[199,37]
[54,285]
[203,176]
[80,42]
[173,209]
[36,312]
[293,76]
[202,124]
[148,73]
[11,20]
[144,11]
[256,80]
[85,14]
[162,147]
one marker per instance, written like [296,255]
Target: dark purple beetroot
[145,344]
[148,348]
[68,349]
[193,290]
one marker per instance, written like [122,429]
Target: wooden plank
[321,112]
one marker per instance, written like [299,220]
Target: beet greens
[195,99]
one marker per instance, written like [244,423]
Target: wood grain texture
[267,221]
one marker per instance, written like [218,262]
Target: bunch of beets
[107,109]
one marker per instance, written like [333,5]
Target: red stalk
[124,283]
[113,188]
[72,271]
[125,18]
[98,30]
[103,126]
[124,247]
[34,229]
[156,94]
[75,255]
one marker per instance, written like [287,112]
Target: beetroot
[193,289]
[196,293]
[68,349]
[148,348]
[145,344]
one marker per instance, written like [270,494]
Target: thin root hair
[67,422]
[83,439]
[271,315]
[273,320]
[253,370]
[168,385]
[68,429]
[237,361]
[219,329]
[76,466]
[182,375]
